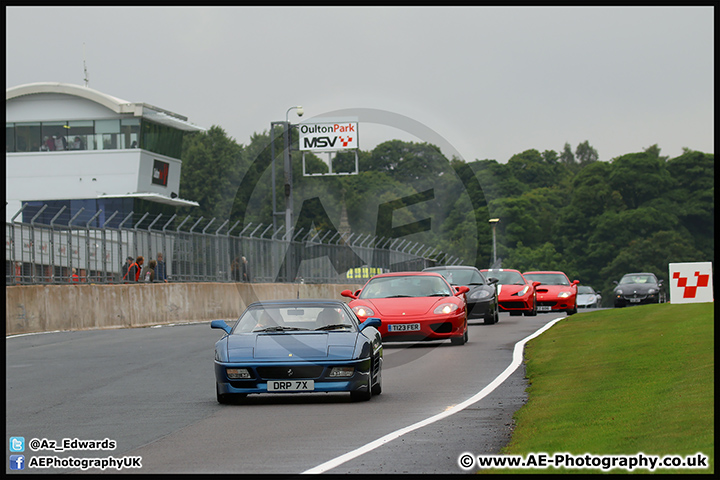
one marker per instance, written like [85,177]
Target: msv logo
[319,142]
[691,291]
[691,282]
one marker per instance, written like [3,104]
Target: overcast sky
[490,81]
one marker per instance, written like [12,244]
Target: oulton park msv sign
[328,135]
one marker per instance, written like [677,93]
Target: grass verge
[620,382]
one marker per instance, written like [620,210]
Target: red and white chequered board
[691,282]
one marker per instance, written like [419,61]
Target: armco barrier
[47,308]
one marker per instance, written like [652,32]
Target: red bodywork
[515,293]
[413,306]
[556,293]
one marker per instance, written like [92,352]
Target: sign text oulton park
[328,136]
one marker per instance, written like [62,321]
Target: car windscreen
[585,290]
[461,276]
[406,286]
[287,318]
[637,279]
[506,278]
[548,278]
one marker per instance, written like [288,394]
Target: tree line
[595,220]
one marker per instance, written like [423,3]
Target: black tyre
[377,388]
[364,394]
[533,312]
[462,340]
[228,398]
[493,317]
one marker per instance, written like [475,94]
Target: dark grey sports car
[638,289]
[482,299]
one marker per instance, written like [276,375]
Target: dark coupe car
[482,299]
[298,346]
[413,306]
[638,289]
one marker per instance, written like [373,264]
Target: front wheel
[533,312]
[364,394]
[228,398]
[462,340]
[377,388]
[494,317]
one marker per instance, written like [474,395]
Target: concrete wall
[46,308]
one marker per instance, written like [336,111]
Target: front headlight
[523,291]
[446,308]
[363,311]
[652,291]
[236,373]
[618,292]
[341,372]
[480,294]
[564,294]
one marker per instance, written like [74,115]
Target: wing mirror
[371,322]
[349,294]
[221,325]
[461,289]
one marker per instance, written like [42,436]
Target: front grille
[513,304]
[641,297]
[291,371]
[546,304]
[445,327]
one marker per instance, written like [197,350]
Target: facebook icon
[17,462]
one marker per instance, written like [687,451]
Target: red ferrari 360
[413,306]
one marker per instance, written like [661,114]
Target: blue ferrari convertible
[298,346]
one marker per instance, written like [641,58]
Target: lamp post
[494,222]
[288,170]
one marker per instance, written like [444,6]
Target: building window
[107,133]
[80,135]
[130,133]
[54,136]
[9,137]
[113,134]
[28,137]
[161,139]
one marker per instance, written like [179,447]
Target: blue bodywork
[281,355]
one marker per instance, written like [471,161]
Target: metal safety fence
[203,251]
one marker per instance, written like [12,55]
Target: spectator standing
[245,270]
[160,271]
[235,268]
[148,274]
[133,274]
[74,278]
[140,261]
[124,269]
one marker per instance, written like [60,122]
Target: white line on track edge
[516,362]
